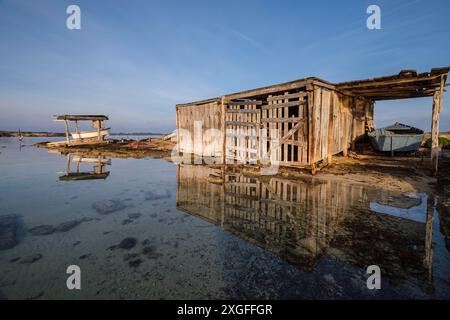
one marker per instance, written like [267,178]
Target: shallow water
[245,238]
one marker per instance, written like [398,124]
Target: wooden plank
[253,111]
[324,119]
[288,96]
[240,123]
[244,103]
[330,127]
[281,105]
[224,128]
[345,131]
[70,117]
[281,120]
[295,142]
[310,122]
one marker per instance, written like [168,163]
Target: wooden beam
[80,117]
[354,123]
[240,123]
[330,127]
[282,105]
[245,103]
[224,129]
[345,129]
[177,124]
[255,111]
[278,120]
[288,96]
[99,125]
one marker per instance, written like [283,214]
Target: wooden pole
[177,123]
[345,140]
[354,124]
[99,128]
[330,128]
[224,130]
[67,131]
[437,100]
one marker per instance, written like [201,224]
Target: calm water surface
[189,238]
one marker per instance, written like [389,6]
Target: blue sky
[134,60]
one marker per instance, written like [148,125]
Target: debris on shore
[124,148]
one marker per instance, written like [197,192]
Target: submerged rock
[150,252]
[131,218]
[127,243]
[42,230]
[66,226]
[134,216]
[108,206]
[45,229]
[31,259]
[157,195]
[9,229]
[130,256]
[135,263]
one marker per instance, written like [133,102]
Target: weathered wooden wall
[311,122]
[209,115]
[337,120]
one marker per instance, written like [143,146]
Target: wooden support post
[437,105]
[99,128]
[310,122]
[224,130]
[345,138]
[67,131]
[330,129]
[177,122]
[354,124]
[366,117]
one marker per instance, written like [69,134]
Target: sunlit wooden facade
[298,123]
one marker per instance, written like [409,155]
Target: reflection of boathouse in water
[302,221]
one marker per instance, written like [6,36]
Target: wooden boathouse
[310,119]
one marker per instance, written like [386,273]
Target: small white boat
[89,134]
[20,137]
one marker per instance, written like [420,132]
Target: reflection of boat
[397,137]
[98,170]
[90,134]
[83,176]
[82,159]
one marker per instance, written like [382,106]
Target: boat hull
[89,134]
[398,143]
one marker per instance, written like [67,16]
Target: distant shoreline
[61,134]
[31,134]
